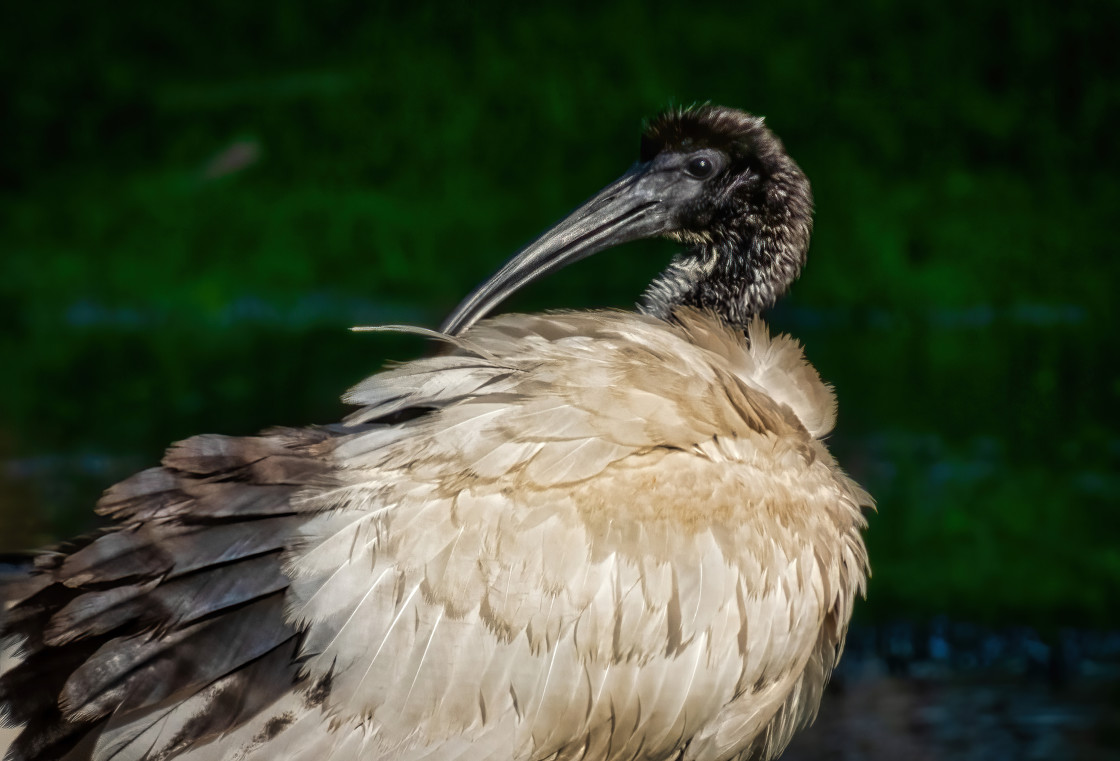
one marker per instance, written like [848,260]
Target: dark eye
[700,167]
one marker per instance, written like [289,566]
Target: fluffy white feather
[611,535]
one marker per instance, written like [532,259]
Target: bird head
[713,178]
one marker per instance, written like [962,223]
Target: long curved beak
[629,208]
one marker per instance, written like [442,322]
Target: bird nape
[577,535]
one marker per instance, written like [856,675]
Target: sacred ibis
[573,535]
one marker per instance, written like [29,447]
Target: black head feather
[736,133]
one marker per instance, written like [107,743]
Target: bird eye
[700,167]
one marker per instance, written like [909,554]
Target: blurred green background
[199,198]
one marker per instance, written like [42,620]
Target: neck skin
[736,278]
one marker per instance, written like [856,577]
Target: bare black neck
[736,276]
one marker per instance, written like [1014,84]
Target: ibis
[573,535]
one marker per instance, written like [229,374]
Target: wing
[603,542]
[180,602]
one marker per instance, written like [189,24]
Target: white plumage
[610,538]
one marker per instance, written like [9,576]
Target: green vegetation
[198,199]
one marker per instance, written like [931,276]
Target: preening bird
[574,535]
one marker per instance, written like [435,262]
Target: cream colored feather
[613,538]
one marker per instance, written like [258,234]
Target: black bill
[630,208]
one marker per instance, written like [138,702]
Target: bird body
[578,535]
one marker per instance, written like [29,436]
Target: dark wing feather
[229,702]
[174,602]
[182,600]
[142,670]
[173,549]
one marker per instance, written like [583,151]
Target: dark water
[880,717]
[967,693]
